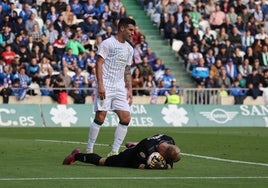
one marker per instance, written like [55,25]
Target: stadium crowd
[224,43]
[52,45]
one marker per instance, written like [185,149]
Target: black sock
[88,158]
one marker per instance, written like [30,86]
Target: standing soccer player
[114,89]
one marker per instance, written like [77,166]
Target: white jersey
[117,56]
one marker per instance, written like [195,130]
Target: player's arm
[101,89]
[128,83]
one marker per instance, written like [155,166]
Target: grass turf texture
[26,161]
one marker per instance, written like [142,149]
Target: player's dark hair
[125,22]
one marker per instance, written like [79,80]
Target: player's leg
[121,130]
[94,130]
[122,109]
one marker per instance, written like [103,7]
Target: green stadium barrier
[142,116]
[14,115]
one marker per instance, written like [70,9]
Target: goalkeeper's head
[173,153]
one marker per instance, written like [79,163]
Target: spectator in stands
[66,77]
[261,35]
[238,57]
[51,34]
[24,82]
[59,47]
[25,12]
[170,26]
[77,93]
[217,18]
[223,78]
[172,97]
[44,66]
[216,68]
[13,14]
[255,78]
[29,24]
[222,36]
[33,71]
[210,58]
[5,92]
[143,44]
[186,5]
[149,85]
[8,55]
[136,36]
[245,68]
[18,25]
[91,61]
[241,26]
[115,6]
[59,24]
[264,56]
[242,81]
[247,40]
[158,68]
[138,54]
[51,55]
[6,76]
[179,14]
[167,77]
[7,36]
[258,15]
[45,88]
[258,66]
[200,96]
[186,49]
[195,16]
[231,15]
[265,78]
[208,37]
[60,94]
[237,92]
[78,77]
[235,38]
[75,45]
[5,22]
[108,32]
[77,8]
[250,55]
[90,27]
[45,8]
[193,58]
[145,68]
[210,7]
[223,54]
[210,81]
[231,69]
[160,90]
[91,81]
[151,56]
[107,15]
[200,72]
[137,82]
[37,53]
[52,75]
[69,60]
[185,28]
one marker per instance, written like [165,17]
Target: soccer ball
[153,155]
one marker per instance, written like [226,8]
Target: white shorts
[114,100]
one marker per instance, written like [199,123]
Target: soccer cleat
[130,144]
[70,159]
[112,153]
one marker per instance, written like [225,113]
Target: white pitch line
[134,178]
[225,160]
[185,154]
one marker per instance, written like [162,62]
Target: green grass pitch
[212,158]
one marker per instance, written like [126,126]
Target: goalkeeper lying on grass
[156,152]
